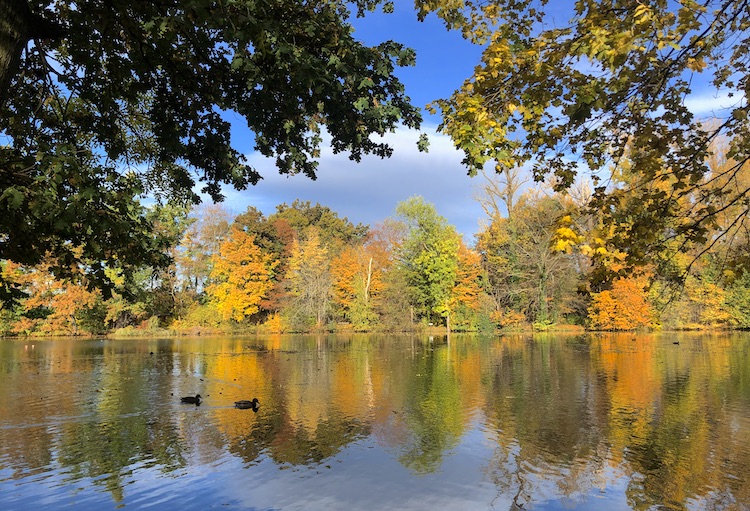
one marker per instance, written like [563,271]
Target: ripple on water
[395,432]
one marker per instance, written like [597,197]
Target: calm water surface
[371,423]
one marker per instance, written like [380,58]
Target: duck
[244,404]
[193,400]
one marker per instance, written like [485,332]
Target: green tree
[738,298]
[429,257]
[102,103]
[612,83]
[335,232]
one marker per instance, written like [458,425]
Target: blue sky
[368,191]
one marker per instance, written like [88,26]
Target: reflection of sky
[45,448]
[363,476]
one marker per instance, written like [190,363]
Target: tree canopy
[609,87]
[104,102]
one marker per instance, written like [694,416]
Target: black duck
[193,400]
[244,404]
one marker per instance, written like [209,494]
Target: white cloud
[368,191]
[713,104]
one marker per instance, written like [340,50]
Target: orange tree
[624,307]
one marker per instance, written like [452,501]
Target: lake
[356,422]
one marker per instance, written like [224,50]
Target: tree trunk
[15,32]
[367,285]
[18,26]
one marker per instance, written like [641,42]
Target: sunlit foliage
[624,307]
[241,275]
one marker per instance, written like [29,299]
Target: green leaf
[13,197]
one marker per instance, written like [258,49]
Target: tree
[242,276]
[200,243]
[429,257]
[738,298]
[309,278]
[357,276]
[335,232]
[52,306]
[502,187]
[611,84]
[525,272]
[624,307]
[102,103]
[393,303]
[467,292]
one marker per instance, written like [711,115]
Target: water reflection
[363,422]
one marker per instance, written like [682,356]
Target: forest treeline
[540,260]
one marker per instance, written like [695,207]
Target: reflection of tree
[285,443]
[311,411]
[120,433]
[693,443]
[31,396]
[544,404]
[434,412]
[102,421]
[107,451]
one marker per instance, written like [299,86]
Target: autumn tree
[241,276]
[466,295]
[624,307]
[698,303]
[275,237]
[357,278]
[52,306]
[103,103]
[617,77]
[276,233]
[309,279]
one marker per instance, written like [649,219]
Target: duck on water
[193,400]
[244,404]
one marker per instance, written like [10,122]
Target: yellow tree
[67,302]
[344,271]
[614,81]
[309,278]
[357,277]
[242,276]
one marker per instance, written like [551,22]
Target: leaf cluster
[610,85]
[107,102]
